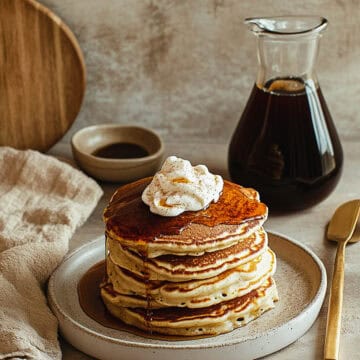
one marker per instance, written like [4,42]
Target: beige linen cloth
[42,202]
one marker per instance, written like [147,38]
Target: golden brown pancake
[211,320]
[187,267]
[236,215]
[130,290]
[199,273]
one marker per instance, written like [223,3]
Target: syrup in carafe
[285,144]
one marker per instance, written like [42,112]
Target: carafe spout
[260,25]
[287,25]
[287,46]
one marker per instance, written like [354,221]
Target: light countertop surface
[307,227]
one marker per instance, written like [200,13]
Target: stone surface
[186,68]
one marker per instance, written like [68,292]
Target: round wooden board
[42,76]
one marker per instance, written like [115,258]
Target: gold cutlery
[340,229]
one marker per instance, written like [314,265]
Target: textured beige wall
[186,67]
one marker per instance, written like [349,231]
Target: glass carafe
[285,144]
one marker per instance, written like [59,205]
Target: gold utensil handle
[332,340]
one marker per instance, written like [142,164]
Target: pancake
[211,320]
[201,272]
[187,267]
[132,291]
[235,216]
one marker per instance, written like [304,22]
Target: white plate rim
[177,345]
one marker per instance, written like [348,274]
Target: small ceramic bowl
[90,139]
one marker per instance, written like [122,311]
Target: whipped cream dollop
[179,187]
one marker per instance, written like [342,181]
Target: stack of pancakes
[199,273]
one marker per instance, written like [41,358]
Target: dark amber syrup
[286,146]
[128,217]
[121,150]
[92,305]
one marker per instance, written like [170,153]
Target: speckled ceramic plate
[301,282]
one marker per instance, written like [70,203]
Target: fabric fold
[42,202]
